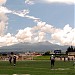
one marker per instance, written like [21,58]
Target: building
[71,55]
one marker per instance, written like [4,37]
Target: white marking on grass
[21,74]
[61,69]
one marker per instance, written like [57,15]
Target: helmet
[52,55]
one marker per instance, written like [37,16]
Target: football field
[37,67]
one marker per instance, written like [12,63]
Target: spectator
[64,59]
[68,59]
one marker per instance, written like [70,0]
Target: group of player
[12,59]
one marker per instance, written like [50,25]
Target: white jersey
[52,58]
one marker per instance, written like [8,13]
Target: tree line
[70,49]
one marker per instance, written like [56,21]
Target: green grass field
[37,67]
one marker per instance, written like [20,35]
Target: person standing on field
[14,60]
[52,61]
[10,59]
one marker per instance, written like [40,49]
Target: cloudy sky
[37,21]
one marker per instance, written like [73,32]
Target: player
[52,61]
[14,60]
[10,59]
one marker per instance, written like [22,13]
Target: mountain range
[38,47]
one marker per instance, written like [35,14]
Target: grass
[42,58]
[37,67]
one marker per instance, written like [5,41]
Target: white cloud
[4,10]
[38,33]
[30,2]
[24,13]
[2,2]
[41,36]
[33,18]
[7,40]
[24,35]
[3,23]
[21,13]
[10,39]
[18,13]
[64,36]
[60,1]
[3,17]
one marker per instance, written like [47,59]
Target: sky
[37,21]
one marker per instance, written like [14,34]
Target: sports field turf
[36,67]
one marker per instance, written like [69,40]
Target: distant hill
[39,47]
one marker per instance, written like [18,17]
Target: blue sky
[36,20]
[55,14]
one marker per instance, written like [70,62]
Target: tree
[47,53]
[70,49]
